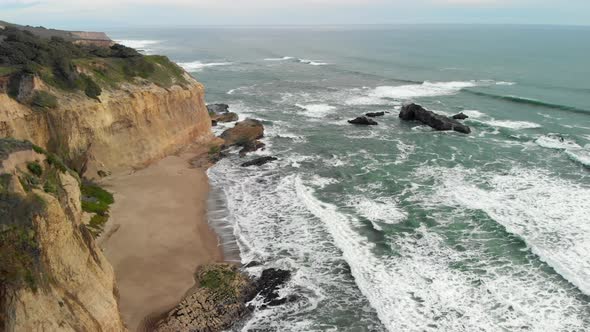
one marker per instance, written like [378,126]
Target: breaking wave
[198,65]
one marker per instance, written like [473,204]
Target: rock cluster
[259,161]
[221,113]
[363,120]
[415,112]
[220,296]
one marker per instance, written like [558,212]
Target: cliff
[53,277]
[127,127]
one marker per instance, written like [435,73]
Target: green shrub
[35,168]
[95,199]
[92,89]
[96,224]
[44,99]
[217,279]
[28,181]
[50,187]
[18,256]
[215,149]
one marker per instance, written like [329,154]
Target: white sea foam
[384,210]
[549,213]
[426,89]
[417,290]
[505,83]
[404,151]
[143,45]
[474,113]
[580,156]
[273,226]
[556,141]
[317,110]
[513,124]
[198,65]
[280,59]
[313,62]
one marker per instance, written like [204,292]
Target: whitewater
[398,227]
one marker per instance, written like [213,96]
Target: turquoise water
[397,227]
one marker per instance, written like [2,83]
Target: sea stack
[415,112]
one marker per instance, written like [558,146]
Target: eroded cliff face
[128,127]
[54,277]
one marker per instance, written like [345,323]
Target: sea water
[397,227]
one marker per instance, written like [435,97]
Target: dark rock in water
[218,108]
[268,284]
[416,112]
[363,120]
[251,146]
[460,116]
[219,299]
[375,114]
[213,123]
[259,161]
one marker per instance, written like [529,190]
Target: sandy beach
[157,235]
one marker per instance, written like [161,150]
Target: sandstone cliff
[53,277]
[127,127]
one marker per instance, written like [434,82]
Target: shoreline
[158,234]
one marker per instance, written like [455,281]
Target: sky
[85,14]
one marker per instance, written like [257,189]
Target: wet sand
[157,235]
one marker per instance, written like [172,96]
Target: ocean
[397,227]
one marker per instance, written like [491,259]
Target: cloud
[18,4]
[82,13]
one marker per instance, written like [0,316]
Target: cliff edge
[102,109]
[69,111]
[53,276]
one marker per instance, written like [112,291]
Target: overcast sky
[80,14]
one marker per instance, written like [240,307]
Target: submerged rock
[363,120]
[375,114]
[460,116]
[411,112]
[218,108]
[259,161]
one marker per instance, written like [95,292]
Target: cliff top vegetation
[76,67]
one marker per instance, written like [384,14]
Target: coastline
[159,234]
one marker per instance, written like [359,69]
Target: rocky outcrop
[259,161]
[244,131]
[460,116]
[220,298]
[245,134]
[363,120]
[225,117]
[126,128]
[53,276]
[217,108]
[375,114]
[414,112]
